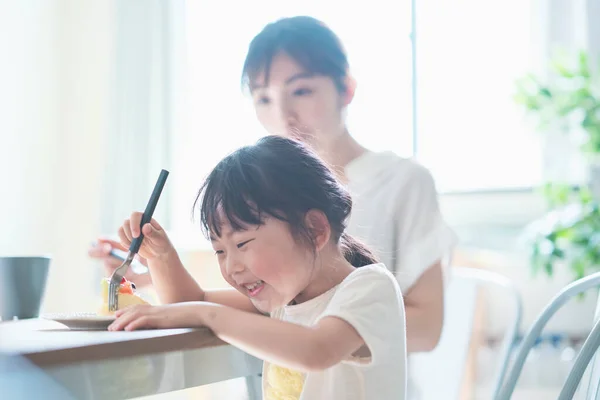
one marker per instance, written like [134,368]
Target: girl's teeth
[253,286]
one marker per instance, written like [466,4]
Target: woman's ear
[350,83]
[318,226]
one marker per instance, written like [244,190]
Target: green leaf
[563,70]
[545,92]
[584,66]
[549,268]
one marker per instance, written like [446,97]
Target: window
[470,133]
[220,118]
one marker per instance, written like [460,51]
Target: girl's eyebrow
[228,233]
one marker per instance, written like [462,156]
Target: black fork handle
[147,216]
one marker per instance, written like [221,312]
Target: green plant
[570,101]
[569,233]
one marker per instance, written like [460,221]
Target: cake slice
[127,296]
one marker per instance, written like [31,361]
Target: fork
[119,273]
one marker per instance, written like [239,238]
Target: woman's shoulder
[388,166]
[407,168]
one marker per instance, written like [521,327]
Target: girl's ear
[318,226]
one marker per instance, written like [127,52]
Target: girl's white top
[369,299]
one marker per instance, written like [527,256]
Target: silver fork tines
[115,283]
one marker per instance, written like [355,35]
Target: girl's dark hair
[307,40]
[284,179]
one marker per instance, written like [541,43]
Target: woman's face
[295,103]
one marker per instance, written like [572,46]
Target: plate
[82,321]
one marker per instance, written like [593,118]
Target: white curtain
[145,106]
[88,103]
[54,112]
[29,125]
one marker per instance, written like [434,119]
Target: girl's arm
[284,343]
[364,319]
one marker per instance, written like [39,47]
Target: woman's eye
[263,100]
[217,252]
[302,92]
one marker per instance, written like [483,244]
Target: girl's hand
[156,243]
[178,315]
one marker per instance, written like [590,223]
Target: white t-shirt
[370,300]
[396,213]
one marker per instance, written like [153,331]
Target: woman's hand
[178,315]
[156,243]
[101,251]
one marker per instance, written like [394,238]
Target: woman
[298,75]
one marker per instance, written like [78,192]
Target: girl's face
[295,103]
[265,263]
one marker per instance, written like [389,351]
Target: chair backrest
[587,352]
[591,385]
[447,361]
[583,359]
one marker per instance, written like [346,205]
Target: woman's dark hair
[281,178]
[307,40]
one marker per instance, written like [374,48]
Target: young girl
[276,217]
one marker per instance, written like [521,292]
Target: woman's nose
[286,111]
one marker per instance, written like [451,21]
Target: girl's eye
[302,92]
[217,252]
[240,245]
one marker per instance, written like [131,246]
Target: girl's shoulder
[371,280]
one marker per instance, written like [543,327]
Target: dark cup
[22,286]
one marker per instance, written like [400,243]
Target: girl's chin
[268,305]
[263,306]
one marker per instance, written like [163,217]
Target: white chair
[591,385]
[585,355]
[447,361]
[587,352]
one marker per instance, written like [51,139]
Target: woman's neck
[339,152]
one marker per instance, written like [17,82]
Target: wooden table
[120,365]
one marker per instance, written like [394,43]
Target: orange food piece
[125,287]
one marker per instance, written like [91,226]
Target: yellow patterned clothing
[370,300]
[283,383]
